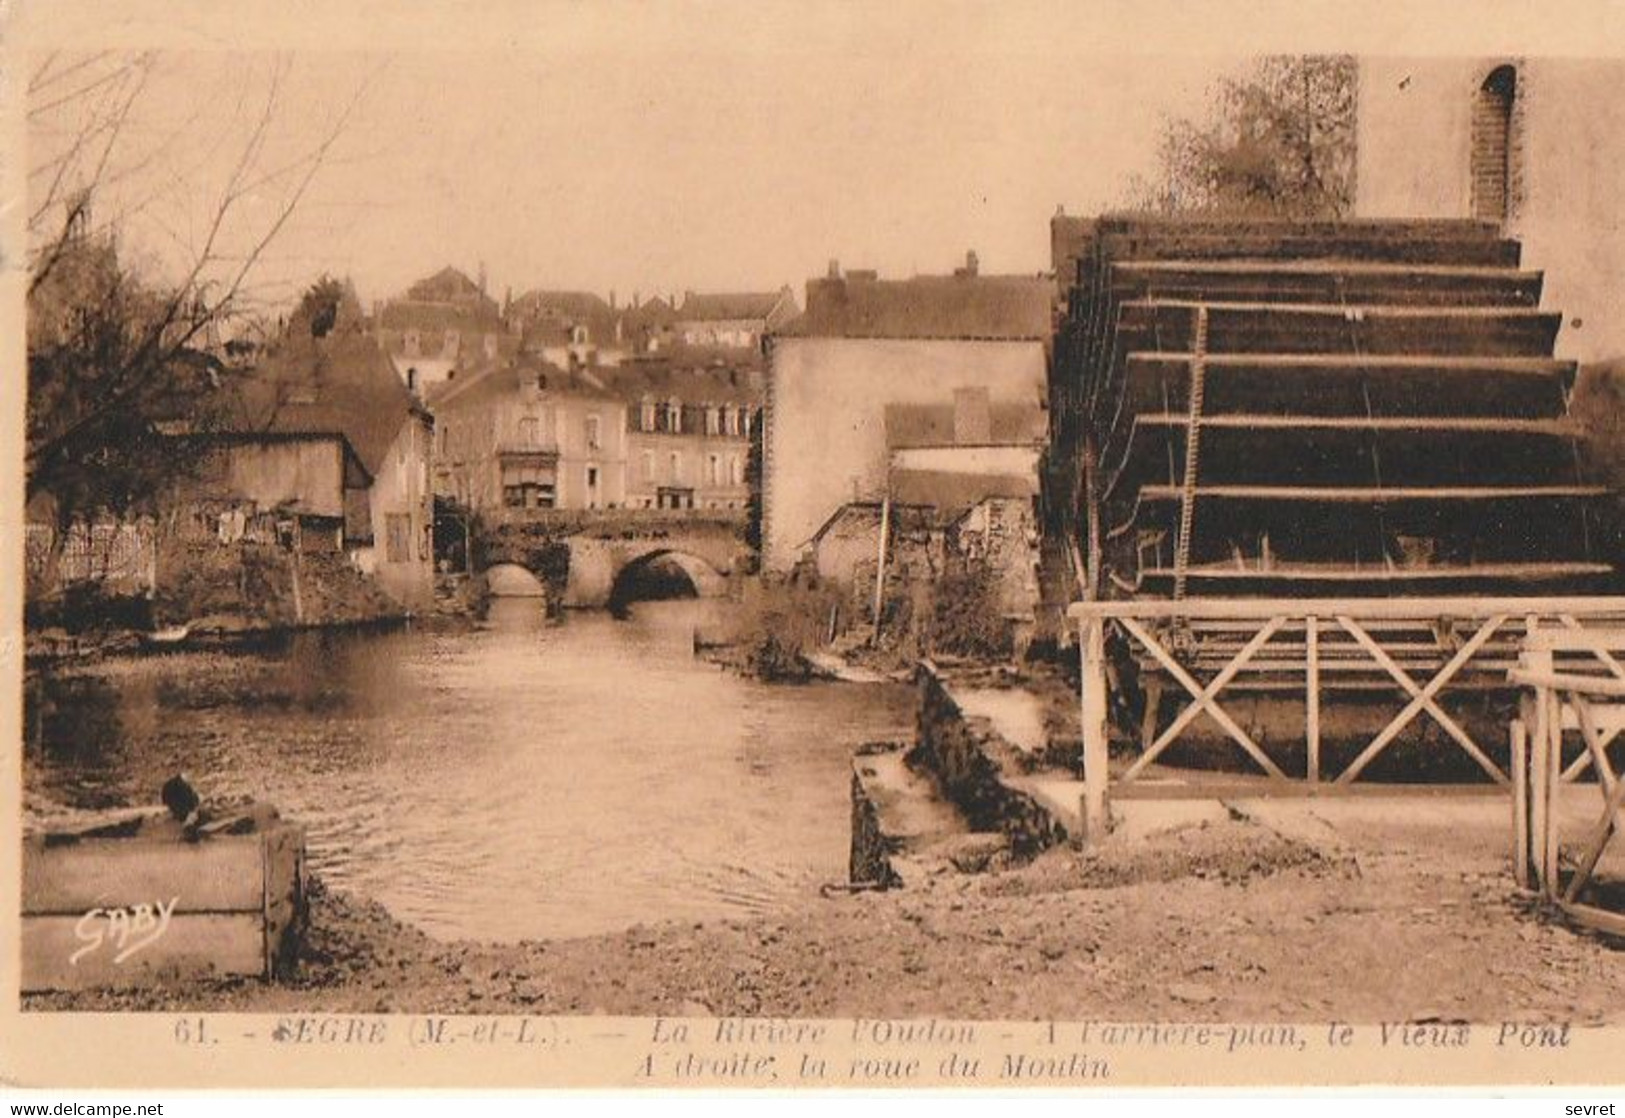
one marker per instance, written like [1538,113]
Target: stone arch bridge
[584,557]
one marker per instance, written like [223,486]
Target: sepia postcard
[812,545]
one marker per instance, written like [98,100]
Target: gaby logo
[124,930]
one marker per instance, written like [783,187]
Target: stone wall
[971,765]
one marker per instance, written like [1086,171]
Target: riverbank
[1385,918]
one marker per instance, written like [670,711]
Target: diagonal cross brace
[1205,700]
[1422,698]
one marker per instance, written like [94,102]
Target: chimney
[971,263]
[973,418]
[482,277]
[834,268]
[612,298]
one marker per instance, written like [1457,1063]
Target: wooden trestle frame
[1561,696]
[1421,647]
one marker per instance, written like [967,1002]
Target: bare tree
[1280,142]
[116,361]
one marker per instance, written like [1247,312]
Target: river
[529,779]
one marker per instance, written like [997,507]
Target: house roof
[565,304]
[1005,308]
[904,517]
[446,285]
[1013,423]
[437,317]
[340,384]
[728,306]
[499,380]
[951,493]
[660,380]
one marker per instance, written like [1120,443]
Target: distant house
[443,325]
[842,378]
[324,431]
[562,327]
[530,435]
[688,434]
[732,321]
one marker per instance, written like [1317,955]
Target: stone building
[324,431]
[1534,145]
[530,435]
[443,325]
[688,434]
[732,321]
[562,327]
[865,345]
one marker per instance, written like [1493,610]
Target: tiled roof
[497,381]
[565,304]
[341,384]
[723,307]
[659,380]
[952,493]
[960,307]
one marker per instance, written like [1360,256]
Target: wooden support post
[1519,735]
[1096,822]
[1538,744]
[880,563]
[1312,698]
[1553,760]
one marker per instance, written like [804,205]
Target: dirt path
[1224,921]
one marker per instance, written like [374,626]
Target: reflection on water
[529,779]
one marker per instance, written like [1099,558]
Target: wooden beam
[1216,712]
[1206,699]
[1312,698]
[1422,699]
[1364,609]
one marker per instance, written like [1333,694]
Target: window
[730,421]
[713,469]
[594,432]
[1492,145]
[592,487]
[578,335]
[398,537]
[713,421]
[674,416]
[736,474]
[676,466]
[648,465]
[530,431]
[413,344]
[646,418]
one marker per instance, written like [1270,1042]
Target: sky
[631,164]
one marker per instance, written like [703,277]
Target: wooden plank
[1598,919]
[1205,700]
[1519,741]
[1222,788]
[1422,699]
[1568,681]
[1362,494]
[1601,834]
[189,946]
[1096,746]
[1216,712]
[1312,697]
[1408,424]
[1417,610]
[221,874]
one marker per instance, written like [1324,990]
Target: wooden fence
[1564,691]
[1422,648]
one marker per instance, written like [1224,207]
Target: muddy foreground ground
[1378,918]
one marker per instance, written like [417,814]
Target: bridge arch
[512,580]
[666,573]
